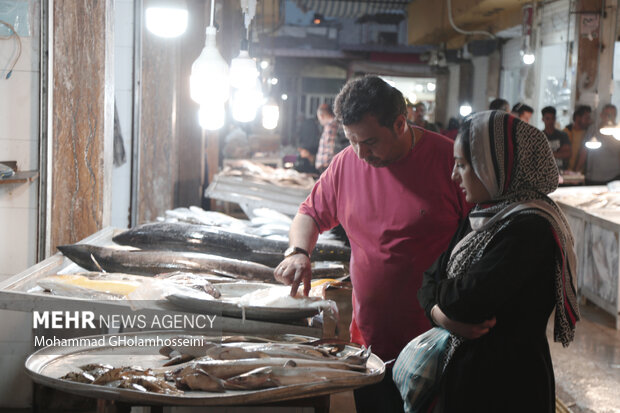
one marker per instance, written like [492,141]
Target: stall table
[593,214]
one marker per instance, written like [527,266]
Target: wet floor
[587,373]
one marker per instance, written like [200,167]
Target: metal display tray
[15,295]
[48,364]
[250,194]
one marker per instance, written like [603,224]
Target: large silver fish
[207,239]
[150,262]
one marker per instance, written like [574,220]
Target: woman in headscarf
[507,268]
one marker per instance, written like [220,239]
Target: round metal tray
[48,364]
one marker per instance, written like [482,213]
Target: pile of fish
[261,172]
[133,378]
[235,365]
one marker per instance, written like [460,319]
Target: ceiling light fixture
[167,19]
[209,80]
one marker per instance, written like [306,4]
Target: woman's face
[464,175]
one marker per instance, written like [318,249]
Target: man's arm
[296,269]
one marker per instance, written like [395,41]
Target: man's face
[525,117]
[583,121]
[420,112]
[375,144]
[608,115]
[549,120]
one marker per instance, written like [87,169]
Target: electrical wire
[19,46]
[491,35]
[564,82]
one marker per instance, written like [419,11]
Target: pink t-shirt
[399,219]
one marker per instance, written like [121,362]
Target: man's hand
[293,271]
[465,330]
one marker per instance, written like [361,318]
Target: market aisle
[587,373]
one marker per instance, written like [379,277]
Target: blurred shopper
[499,104]
[392,193]
[327,143]
[558,140]
[308,132]
[602,165]
[523,112]
[419,115]
[453,129]
[576,131]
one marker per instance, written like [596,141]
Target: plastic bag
[418,368]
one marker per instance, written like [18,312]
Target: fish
[150,262]
[211,240]
[287,375]
[195,378]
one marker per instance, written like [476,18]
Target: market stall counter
[593,213]
[29,291]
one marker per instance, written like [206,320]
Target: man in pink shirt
[391,191]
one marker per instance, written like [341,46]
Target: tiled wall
[19,141]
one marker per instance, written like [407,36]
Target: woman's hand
[465,330]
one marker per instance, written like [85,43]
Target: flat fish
[150,262]
[206,239]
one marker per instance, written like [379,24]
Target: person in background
[508,267]
[576,131]
[308,132]
[453,129]
[499,104]
[327,143]
[602,165]
[418,118]
[392,193]
[523,112]
[558,140]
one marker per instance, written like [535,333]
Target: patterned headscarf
[515,164]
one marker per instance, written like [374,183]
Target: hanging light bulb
[209,80]
[245,103]
[243,72]
[211,116]
[610,129]
[465,109]
[431,86]
[164,19]
[271,115]
[528,57]
[593,143]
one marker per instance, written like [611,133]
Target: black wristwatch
[292,250]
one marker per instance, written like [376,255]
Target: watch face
[289,251]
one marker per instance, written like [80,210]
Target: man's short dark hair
[498,104]
[549,109]
[581,110]
[521,108]
[369,95]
